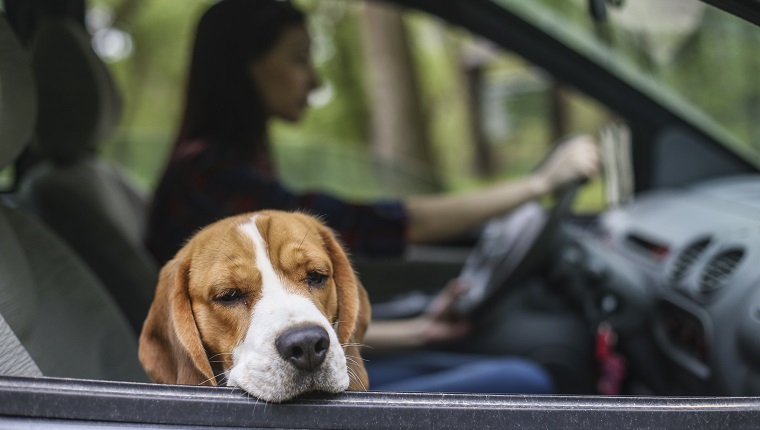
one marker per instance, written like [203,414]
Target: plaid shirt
[210,184]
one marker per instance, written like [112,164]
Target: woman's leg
[447,372]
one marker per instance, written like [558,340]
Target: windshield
[689,56]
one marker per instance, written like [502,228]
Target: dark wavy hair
[221,102]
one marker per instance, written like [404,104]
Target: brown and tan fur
[188,335]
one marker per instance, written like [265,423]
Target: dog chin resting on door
[267,302]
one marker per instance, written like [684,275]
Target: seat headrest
[79,104]
[18,102]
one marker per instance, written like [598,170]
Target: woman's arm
[434,218]
[439,323]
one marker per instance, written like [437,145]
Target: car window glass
[692,57]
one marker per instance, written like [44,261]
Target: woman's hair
[222,103]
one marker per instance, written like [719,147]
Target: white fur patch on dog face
[257,367]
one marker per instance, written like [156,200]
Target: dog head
[267,302]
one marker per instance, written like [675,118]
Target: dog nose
[305,347]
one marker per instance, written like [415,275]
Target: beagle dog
[267,302]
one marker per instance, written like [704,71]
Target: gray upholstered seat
[51,301]
[87,201]
[14,360]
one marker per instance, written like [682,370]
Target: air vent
[686,259]
[719,269]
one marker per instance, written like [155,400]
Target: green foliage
[151,80]
[338,59]
[436,51]
[707,62]
[722,63]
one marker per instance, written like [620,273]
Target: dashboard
[676,273]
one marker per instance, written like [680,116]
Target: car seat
[89,202]
[14,360]
[54,305]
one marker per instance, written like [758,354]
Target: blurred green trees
[151,78]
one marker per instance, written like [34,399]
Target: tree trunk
[473,60]
[398,124]
[559,111]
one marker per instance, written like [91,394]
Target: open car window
[485,113]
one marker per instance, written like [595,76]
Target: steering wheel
[511,246]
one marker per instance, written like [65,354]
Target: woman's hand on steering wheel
[516,243]
[575,159]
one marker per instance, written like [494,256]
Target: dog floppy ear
[354,311]
[353,346]
[170,344]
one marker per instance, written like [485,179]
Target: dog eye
[230,296]
[316,279]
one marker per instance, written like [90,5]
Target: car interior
[51,300]
[85,199]
[665,278]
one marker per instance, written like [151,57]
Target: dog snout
[305,347]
